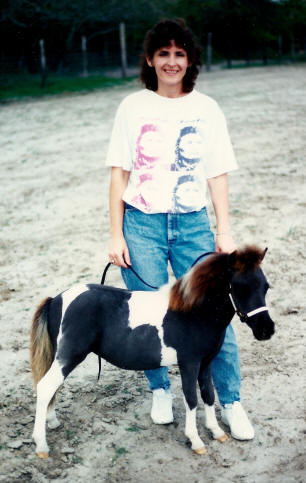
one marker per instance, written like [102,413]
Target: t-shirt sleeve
[119,152]
[221,157]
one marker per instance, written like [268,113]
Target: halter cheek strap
[245,316]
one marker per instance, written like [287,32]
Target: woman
[168,142]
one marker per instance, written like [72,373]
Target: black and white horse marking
[181,324]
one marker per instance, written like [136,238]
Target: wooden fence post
[280,48]
[43,62]
[123,49]
[292,48]
[208,52]
[229,53]
[84,55]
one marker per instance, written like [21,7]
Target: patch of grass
[119,452]
[77,460]
[69,434]
[15,87]
[109,387]
[134,429]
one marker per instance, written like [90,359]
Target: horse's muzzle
[263,329]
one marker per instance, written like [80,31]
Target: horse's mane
[189,290]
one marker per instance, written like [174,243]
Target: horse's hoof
[43,455]
[202,450]
[223,438]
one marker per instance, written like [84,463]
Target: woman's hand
[225,243]
[118,252]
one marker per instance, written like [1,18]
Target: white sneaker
[161,412]
[234,416]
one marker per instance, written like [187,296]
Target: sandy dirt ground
[54,233]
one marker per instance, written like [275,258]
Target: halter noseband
[245,316]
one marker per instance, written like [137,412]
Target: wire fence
[114,56]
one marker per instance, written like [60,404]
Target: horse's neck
[216,304]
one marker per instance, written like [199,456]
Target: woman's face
[170,65]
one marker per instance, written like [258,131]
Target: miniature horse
[181,324]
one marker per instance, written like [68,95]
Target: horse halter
[242,315]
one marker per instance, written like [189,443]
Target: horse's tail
[41,348]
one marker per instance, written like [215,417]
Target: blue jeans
[180,238]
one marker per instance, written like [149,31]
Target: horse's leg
[46,389]
[52,419]
[208,396]
[189,374]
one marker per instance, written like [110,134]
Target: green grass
[119,452]
[15,87]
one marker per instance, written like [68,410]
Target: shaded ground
[54,232]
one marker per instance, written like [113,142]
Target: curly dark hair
[160,36]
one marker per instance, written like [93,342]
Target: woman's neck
[171,91]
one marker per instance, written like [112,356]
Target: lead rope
[134,272]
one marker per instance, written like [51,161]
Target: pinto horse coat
[181,324]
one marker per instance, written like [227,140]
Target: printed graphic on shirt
[162,171]
[148,147]
[186,192]
[170,147]
[188,149]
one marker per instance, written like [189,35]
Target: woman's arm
[218,188]
[118,249]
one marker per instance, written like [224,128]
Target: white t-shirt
[170,146]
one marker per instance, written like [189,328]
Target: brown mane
[189,290]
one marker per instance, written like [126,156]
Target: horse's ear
[231,259]
[264,253]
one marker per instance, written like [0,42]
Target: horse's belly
[140,348]
[133,363]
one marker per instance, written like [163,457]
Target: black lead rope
[134,272]
[202,256]
[141,279]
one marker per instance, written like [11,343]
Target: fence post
[123,49]
[43,62]
[84,55]
[292,48]
[280,48]
[208,52]
[229,53]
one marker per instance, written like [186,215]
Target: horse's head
[248,291]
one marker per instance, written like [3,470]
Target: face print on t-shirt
[148,146]
[188,150]
[166,166]
[185,193]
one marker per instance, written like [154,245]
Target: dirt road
[54,233]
